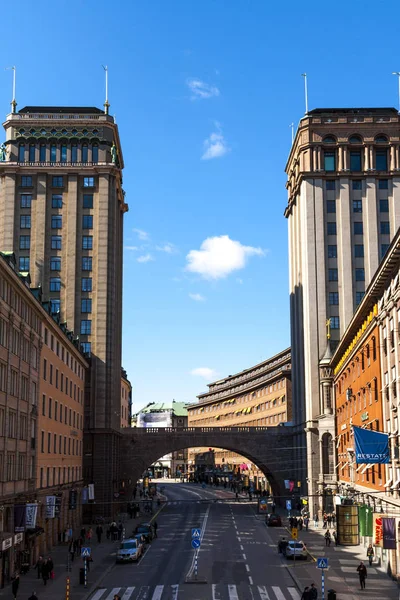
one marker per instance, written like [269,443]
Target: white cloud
[197,297]
[215,145]
[142,235]
[133,248]
[168,248]
[202,90]
[145,258]
[219,256]
[204,372]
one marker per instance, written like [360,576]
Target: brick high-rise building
[343,211]
[61,212]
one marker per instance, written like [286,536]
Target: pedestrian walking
[83,534]
[306,593]
[99,533]
[328,538]
[329,519]
[306,522]
[89,535]
[370,554]
[236,496]
[50,566]
[15,585]
[155,525]
[325,521]
[313,592]
[33,597]
[316,519]
[362,574]
[334,535]
[45,572]
[71,550]
[300,523]
[38,566]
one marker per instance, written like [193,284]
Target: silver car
[296,550]
[130,550]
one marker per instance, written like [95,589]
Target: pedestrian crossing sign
[85,552]
[322,563]
[196,533]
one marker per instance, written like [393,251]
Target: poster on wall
[389,533]
[30,516]
[19,517]
[377,539]
[154,419]
[372,447]
[50,507]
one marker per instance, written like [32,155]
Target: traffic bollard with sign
[322,563]
[67,588]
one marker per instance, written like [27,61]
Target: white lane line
[232,591]
[262,590]
[239,539]
[175,590]
[247,568]
[278,592]
[244,556]
[215,594]
[113,592]
[203,528]
[250,580]
[294,593]
[158,592]
[128,593]
[99,594]
[241,547]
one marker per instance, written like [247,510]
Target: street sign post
[322,563]
[196,544]
[294,533]
[85,552]
[196,532]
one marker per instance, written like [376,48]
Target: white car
[130,550]
[296,550]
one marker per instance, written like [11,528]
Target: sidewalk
[103,560]
[341,575]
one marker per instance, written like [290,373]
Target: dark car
[273,520]
[146,530]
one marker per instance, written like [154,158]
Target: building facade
[61,212]
[343,211]
[258,396]
[126,400]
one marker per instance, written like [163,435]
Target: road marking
[262,590]
[292,591]
[158,592]
[250,580]
[278,592]
[215,594]
[113,592]
[232,591]
[128,593]
[175,590]
[241,547]
[99,594]
[203,528]
[247,568]
[239,539]
[244,556]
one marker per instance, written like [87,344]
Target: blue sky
[204,92]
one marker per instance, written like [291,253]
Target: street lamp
[398,77]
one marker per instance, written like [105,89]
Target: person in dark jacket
[99,533]
[362,574]
[50,567]
[306,594]
[45,572]
[39,565]
[313,592]
[15,585]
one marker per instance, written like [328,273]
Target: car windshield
[296,545]
[129,545]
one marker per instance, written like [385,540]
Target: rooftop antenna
[292,127]
[398,77]
[305,90]
[106,103]
[13,101]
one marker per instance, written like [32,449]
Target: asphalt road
[237,559]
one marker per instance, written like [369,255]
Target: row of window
[333,274]
[334,298]
[356,160]
[55,445]
[56,201]
[62,382]
[15,470]
[56,221]
[331,227]
[86,284]
[18,343]
[13,427]
[356,184]
[58,153]
[57,181]
[55,263]
[60,475]
[357,206]
[358,250]
[16,301]
[56,242]
[59,349]
[59,413]
[281,417]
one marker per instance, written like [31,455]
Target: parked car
[146,530]
[130,550]
[295,550]
[273,520]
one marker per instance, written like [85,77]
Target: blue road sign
[196,532]
[196,543]
[85,552]
[322,563]
[288,505]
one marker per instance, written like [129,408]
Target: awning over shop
[34,531]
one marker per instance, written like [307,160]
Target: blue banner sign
[372,447]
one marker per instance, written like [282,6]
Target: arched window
[329,139]
[84,153]
[21,153]
[381,139]
[63,152]
[53,153]
[95,153]
[355,139]
[74,153]
[42,156]
[32,152]
[327,454]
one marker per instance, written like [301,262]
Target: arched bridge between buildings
[270,448]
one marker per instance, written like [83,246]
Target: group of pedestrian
[328,537]
[45,569]
[328,519]
[115,531]
[310,592]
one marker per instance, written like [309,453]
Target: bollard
[67,586]
[85,566]
[322,584]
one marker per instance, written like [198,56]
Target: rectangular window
[32,152]
[329,161]
[333,274]
[53,153]
[86,263]
[357,184]
[55,306]
[383,184]
[335,324]
[360,275]
[56,201]
[384,205]
[381,160]
[50,400]
[95,154]
[63,153]
[88,182]
[359,297]
[355,161]
[357,206]
[330,184]
[385,227]
[358,228]
[359,251]
[86,305]
[56,221]
[56,242]
[21,153]
[384,249]
[55,284]
[58,181]
[87,222]
[87,200]
[86,284]
[25,221]
[24,263]
[74,153]
[86,327]
[333,298]
[87,242]
[26,181]
[42,153]
[331,206]
[332,251]
[331,228]
[86,347]
[26,200]
[55,263]
[24,242]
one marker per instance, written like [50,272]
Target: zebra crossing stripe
[128,593]
[232,591]
[262,590]
[113,592]
[278,592]
[294,593]
[99,594]
[158,592]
